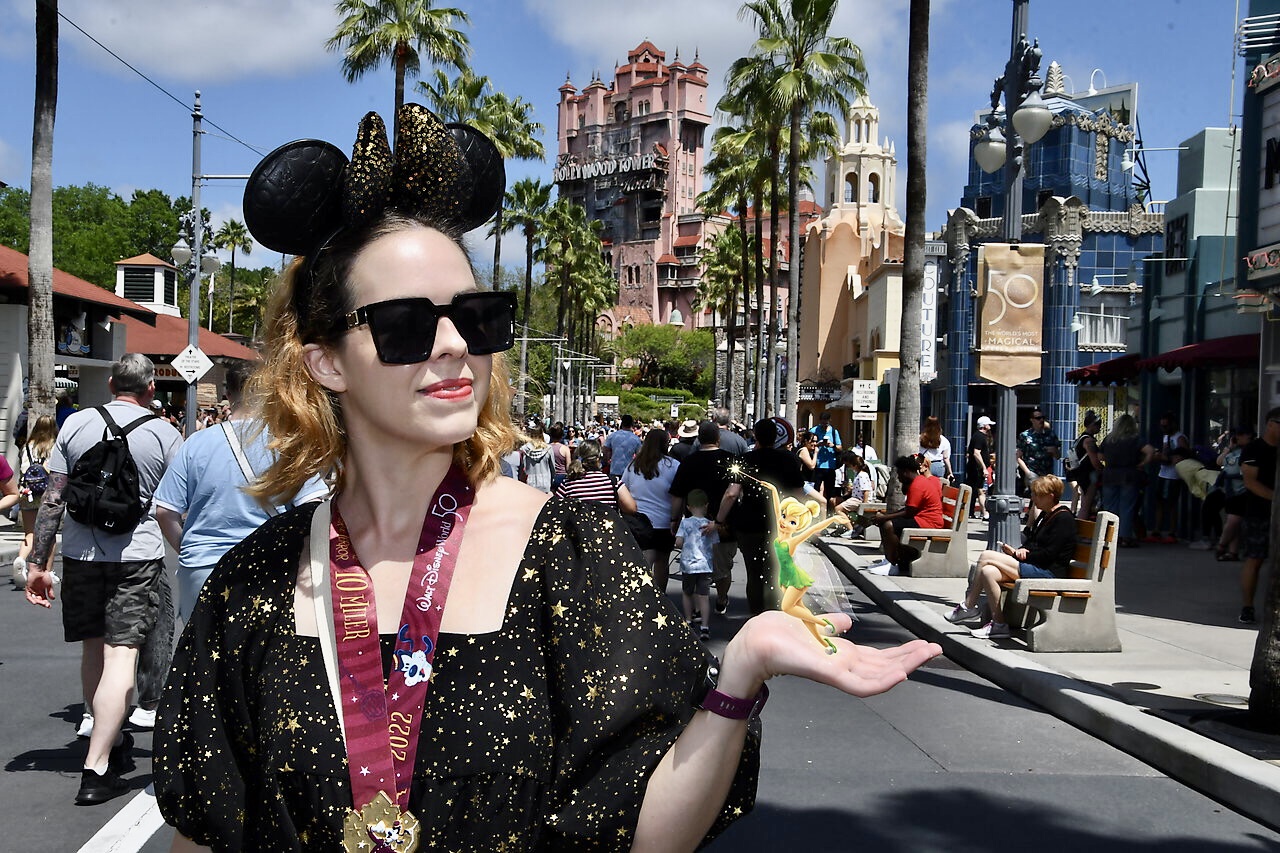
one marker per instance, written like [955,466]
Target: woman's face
[1044,501]
[435,403]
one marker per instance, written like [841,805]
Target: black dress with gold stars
[540,736]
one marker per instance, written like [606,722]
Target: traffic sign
[864,395]
[192,364]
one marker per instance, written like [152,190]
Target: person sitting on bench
[1050,545]
[923,510]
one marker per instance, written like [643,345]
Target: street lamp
[1029,121]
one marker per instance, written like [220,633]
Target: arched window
[857,131]
[851,188]
[873,189]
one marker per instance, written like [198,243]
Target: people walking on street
[856,489]
[33,479]
[730,440]
[586,482]
[111,596]
[936,448]
[685,435]
[807,454]
[648,478]
[561,454]
[620,447]
[1085,476]
[1038,447]
[1166,486]
[1122,475]
[830,445]
[537,460]
[1049,543]
[459,661]
[977,464]
[696,537]
[201,504]
[708,469]
[1258,467]
[1233,492]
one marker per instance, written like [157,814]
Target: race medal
[381,720]
[380,827]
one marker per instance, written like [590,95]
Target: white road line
[131,828]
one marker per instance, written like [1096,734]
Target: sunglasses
[404,330]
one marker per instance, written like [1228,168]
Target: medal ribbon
[382,724]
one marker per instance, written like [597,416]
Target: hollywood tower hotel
[631,153]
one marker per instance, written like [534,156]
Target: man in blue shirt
[621,446]
[201,504]
[829,448]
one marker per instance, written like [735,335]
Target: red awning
[1114,370]
[1235,351]
[687,240]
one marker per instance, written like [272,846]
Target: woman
[1050,545]
[807,452]
[380,365]
[10,497]
[648,480]
[537,460]
[560,454]
[935,448]
[1231,484]
[1122,457]
[1086,475]
[857,482]
[586,482]
[35,452]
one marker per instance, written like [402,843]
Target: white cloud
[202,40]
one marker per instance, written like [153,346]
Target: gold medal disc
[380,827]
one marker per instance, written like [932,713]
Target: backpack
[102,490]
[35,478]
[1073,464]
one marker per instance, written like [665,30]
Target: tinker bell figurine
[795,525]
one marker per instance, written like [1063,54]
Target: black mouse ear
[487,175]
[293,199]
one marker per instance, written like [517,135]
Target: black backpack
[102,490]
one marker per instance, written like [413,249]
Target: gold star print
[267,607]
[597,630]
[530,573]
[226,593]
[556,537]
[527,693]
[646,578]
[293,724]
[737,812]
[660,620]
[592,693]
[558,609]
[215,654]
[256,601]
[453,652]
[286,768]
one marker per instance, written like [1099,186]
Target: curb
[1248,785]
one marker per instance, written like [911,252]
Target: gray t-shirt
[152,444]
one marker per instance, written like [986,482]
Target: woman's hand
[775,643]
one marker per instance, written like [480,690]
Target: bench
[944,553]
[1075,614]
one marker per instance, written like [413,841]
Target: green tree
[667,357]
[152,223]
[528,201]
[15,218]
[90,232]
[815,70]
[405,32]
[572,241]
[40,256]
[233,235]
[470,99]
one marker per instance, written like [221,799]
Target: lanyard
[381,723]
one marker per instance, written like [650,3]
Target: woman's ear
[324,368]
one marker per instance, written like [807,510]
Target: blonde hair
[1047,484]
[40,439]
[802,513]
[304,418]
[585,458]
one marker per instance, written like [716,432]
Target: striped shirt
[591,486]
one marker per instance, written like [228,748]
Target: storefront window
[1232,399]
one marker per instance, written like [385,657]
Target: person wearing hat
[977,464]
[685,436]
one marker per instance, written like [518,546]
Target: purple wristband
[724,705]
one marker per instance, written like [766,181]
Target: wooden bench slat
[1074,594]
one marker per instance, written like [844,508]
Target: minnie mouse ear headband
[306,192]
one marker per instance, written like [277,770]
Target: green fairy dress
[789,574]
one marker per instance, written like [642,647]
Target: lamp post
[1029,121]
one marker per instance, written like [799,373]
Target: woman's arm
[686,791]
[626,502]
[9,490]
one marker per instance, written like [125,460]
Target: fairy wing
[828,593]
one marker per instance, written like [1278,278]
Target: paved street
[947,761]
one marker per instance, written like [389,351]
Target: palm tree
[907,415]
[528,200]
[813,70]
[730,183]
[570,237]
[232,235]
[470,99]
[40,256]
[404,31]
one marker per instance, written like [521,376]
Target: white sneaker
[961,613]
[141,718]
[19,573]
[992,631]
[879,567]
[86,726]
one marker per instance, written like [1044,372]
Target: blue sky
[266,78]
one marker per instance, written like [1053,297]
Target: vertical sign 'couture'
[1011,287]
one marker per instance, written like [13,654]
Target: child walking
[695,559]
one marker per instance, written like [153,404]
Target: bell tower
[862,178]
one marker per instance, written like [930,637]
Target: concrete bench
[944,553]
[1075,614]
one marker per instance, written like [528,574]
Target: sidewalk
[1173,697]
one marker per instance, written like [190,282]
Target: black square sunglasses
[404,330]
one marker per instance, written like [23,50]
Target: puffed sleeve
[623,667]
[208,780]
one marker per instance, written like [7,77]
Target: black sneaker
[722,604]
[1247,616]
[95,789]
[120,759]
